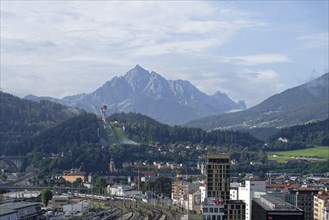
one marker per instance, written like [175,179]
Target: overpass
[14,163]
[39,188]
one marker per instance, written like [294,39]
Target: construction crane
[139,170]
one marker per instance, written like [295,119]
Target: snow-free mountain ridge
[168,101]
[299,105]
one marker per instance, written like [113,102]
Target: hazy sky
[248,49]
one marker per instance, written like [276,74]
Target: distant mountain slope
[305,103]
[21,118]
[168,101]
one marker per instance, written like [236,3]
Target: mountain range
[167,101]
[306,103]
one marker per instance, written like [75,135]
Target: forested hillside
[145,130]
[83,130]
[75,132]
[21,118]
[316,133]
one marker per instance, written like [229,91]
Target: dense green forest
[301,136]
[21,118]
[75,132]
[143,129]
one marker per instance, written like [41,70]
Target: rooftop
[272,203]
[16,205]
[6,211]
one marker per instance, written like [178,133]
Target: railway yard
[132,210]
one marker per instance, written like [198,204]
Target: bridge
[39,188]
[14,163]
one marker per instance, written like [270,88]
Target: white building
[234,190]
[133,194]
[252,189]
[234,194]
[202,167]
[118,190]
[81,207]
[202,188]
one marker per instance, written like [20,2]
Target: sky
[249,50]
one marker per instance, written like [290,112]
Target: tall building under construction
[218,176]
[218,205]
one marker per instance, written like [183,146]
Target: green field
[321,152]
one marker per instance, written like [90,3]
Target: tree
[78,182]
[100,185]
[161,185]
[46,195]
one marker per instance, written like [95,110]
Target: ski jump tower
[109,133]
[103,112]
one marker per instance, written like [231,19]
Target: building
[147,175]
[57,202]
[218,205]
[302,198]
[270,207]
[325,212]
[73,174]
[234,190]
[180,191]
[203,190]
[320,201]
[194,200]
[213,209]
[20,211]
[6,214]
[218,176]
[118,189]
[251,189]
[202,167]
[235,210]
[74,208]
[23,196]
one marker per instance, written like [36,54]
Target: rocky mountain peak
[137,78]
[168,101]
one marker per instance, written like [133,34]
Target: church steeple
[112,168]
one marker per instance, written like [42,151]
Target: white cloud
[124,29]
[59,42]
[67,47]
[315,41]
[260,76]
[257,59]
[250,84]
[256,85]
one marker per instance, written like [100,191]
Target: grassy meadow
[321,152]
